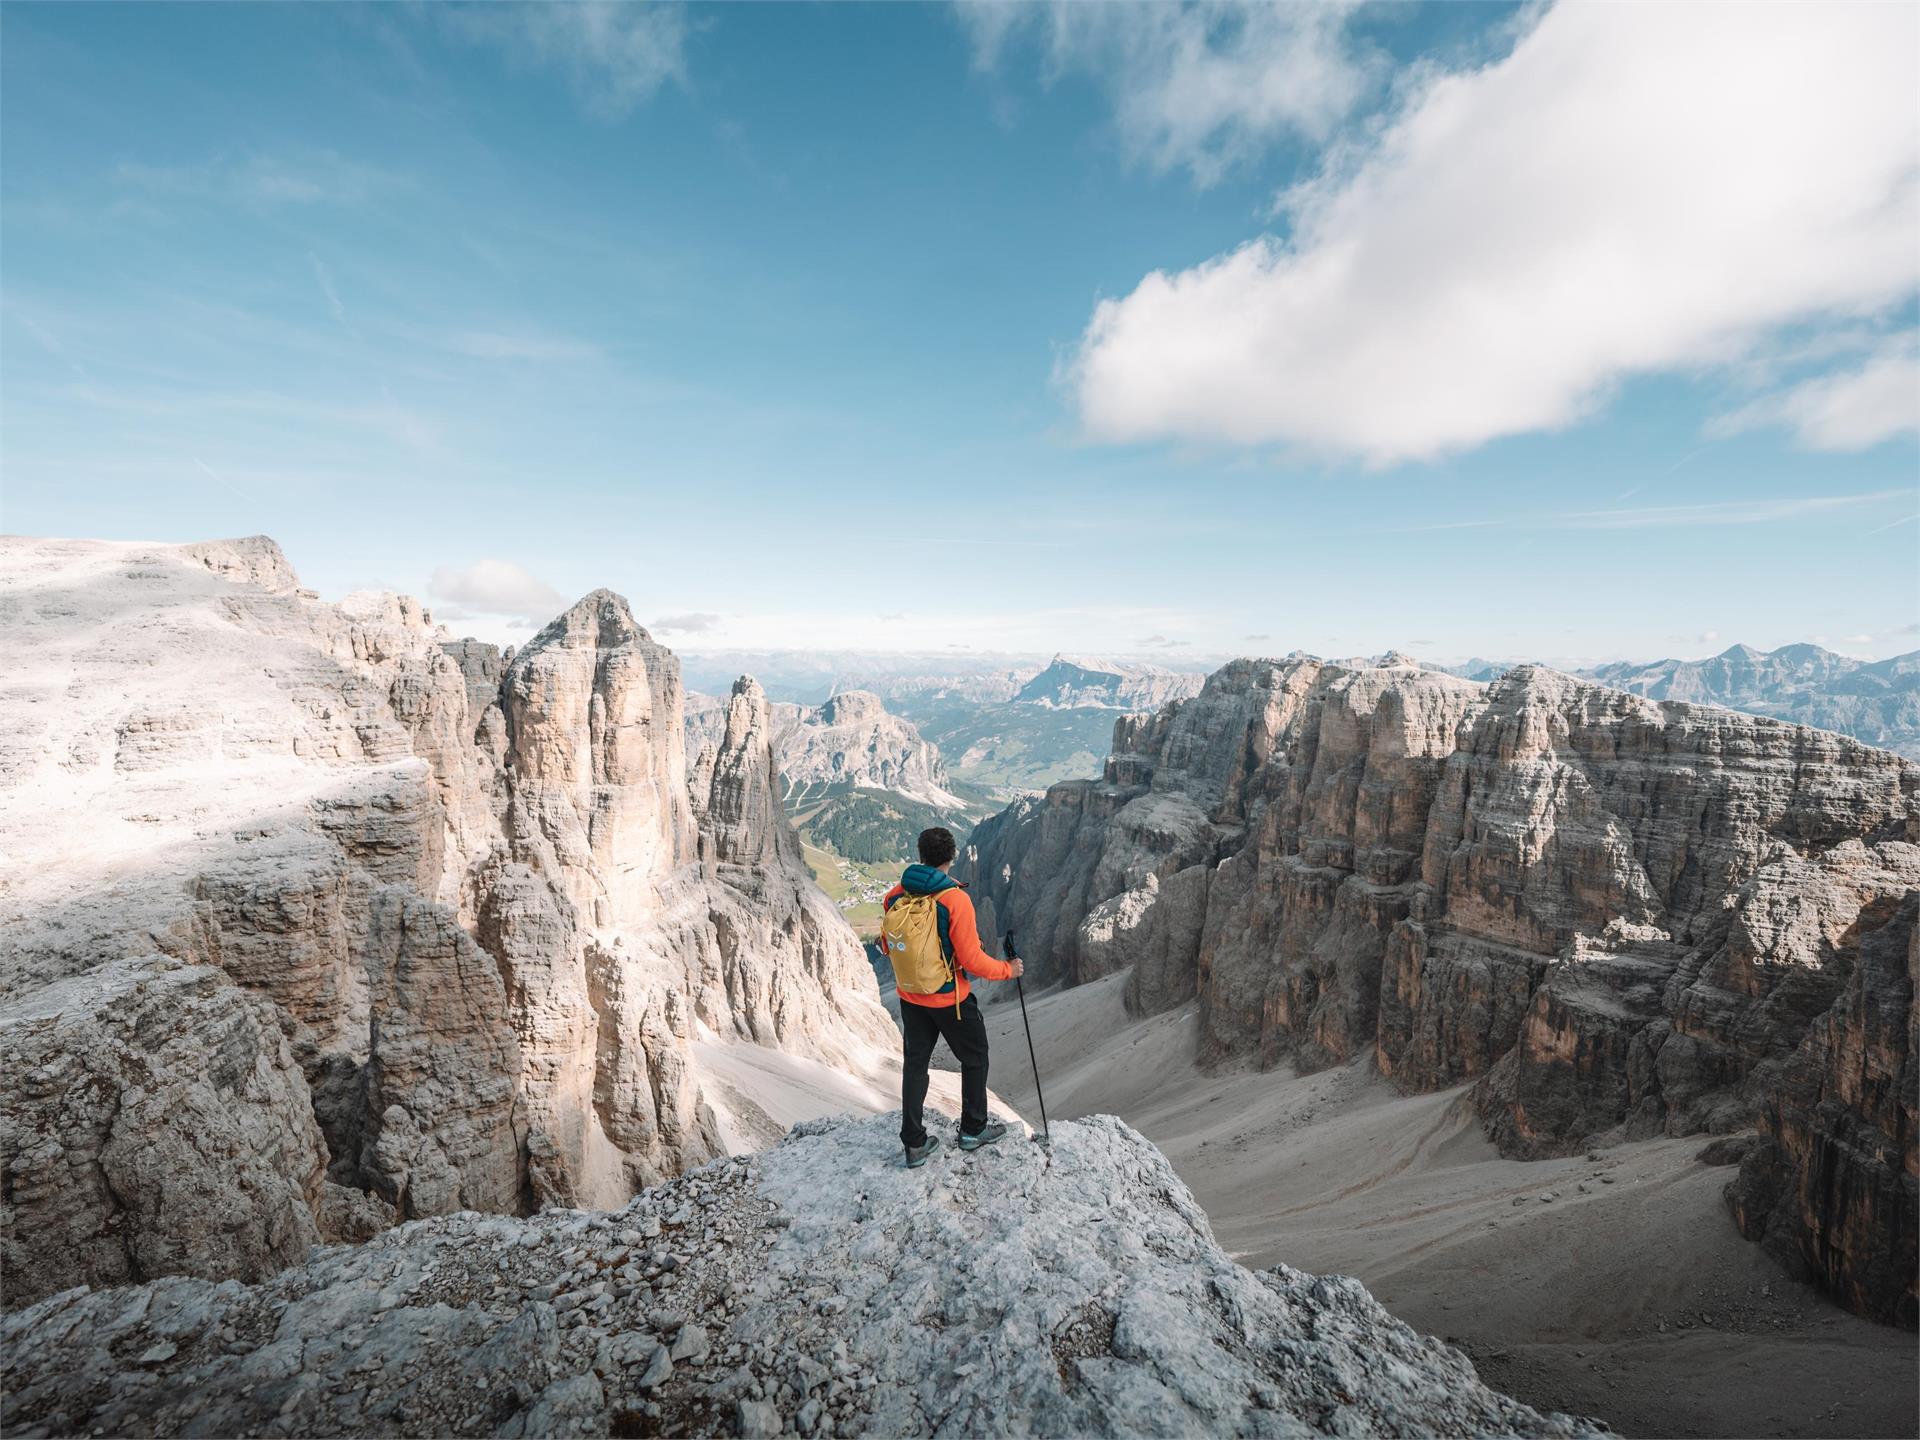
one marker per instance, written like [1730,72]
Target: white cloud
[1878,399]
[1634,189]
[1203,86]
[690,624]
[496,587]
[616,55]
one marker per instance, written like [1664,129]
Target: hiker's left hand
[1019,967]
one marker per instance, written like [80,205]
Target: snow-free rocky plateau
[816,1288]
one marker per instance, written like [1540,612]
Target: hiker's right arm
[965,935]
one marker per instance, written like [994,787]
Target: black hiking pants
[966,1036]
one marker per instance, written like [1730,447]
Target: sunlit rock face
[318,917]
[1621,917]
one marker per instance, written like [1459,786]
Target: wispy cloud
[692,623]
[1724,512]
[615,55]
[219,479]
[324,277]
[1195,86]
[305,177]
[495,345]
[494,587]
[1450,525]
[1629,494]
[1874,400]
[1646,517]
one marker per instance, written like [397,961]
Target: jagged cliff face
[315,919]
[1617,916]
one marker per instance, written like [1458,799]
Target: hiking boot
[993,1132]
[917,1154]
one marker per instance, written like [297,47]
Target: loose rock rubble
[816,1289]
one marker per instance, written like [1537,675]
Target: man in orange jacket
[950,1013]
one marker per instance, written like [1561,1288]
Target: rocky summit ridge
[816,1288]
[316,918]
[1616,916]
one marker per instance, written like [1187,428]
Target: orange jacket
[964,936]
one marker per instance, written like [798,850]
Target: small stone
[690,1343]
[658,1368]
[154,1354]
[756,1419]
[808,1417]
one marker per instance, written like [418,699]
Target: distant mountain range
[855,778]
[1056,724]
[1070,684]
[1873,700]
[1877,701]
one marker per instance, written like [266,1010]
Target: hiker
[929,935]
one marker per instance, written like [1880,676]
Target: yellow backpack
[910,935]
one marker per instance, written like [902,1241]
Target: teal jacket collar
[926,880]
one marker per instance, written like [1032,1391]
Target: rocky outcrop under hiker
[316,917]
[1619,917]
[794,1291]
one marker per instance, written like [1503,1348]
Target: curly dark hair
[936,846]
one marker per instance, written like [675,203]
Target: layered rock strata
[784,1293]
[316,917]
[1618,916]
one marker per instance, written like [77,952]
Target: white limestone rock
[365,922]
[1081,1297]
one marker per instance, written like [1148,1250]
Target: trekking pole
[1046,1132]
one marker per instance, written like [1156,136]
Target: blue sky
[1152,330]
